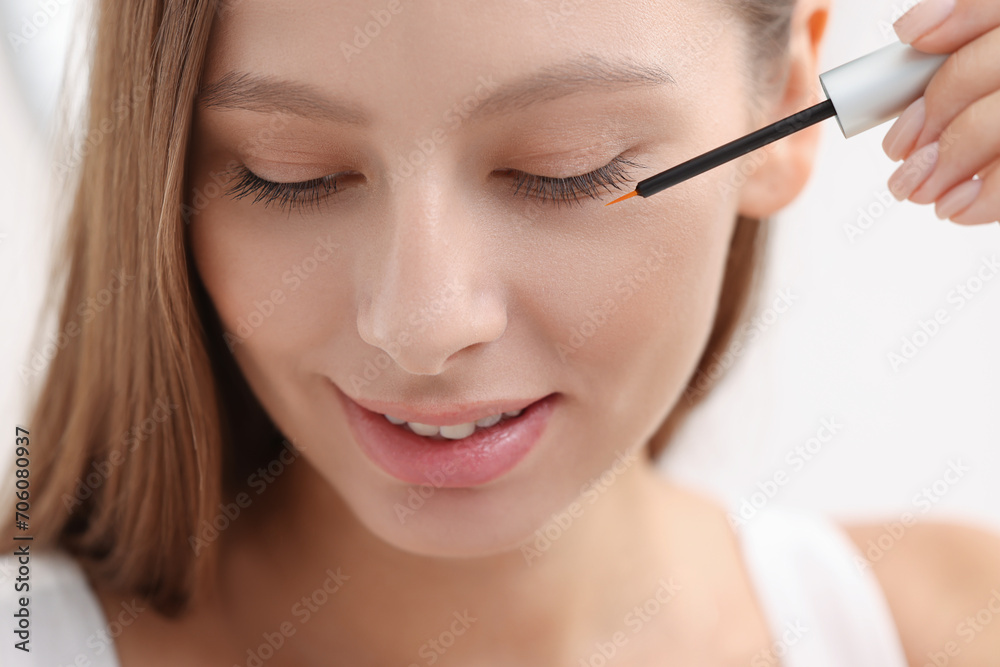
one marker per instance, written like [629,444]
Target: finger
[985,207]
[970,143]
[990,169]
[943,26]
[966,76]
[957,200]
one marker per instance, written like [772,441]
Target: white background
[825,357]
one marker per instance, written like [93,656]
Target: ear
[781,169]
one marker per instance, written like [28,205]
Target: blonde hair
[131,430]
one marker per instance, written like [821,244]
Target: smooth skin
[527,274]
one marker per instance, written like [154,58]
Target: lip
[478,459]
[461,414]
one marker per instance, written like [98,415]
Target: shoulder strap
[822,605]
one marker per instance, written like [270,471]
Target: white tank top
[823,604]
[822,608]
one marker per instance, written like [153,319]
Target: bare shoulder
[942,582]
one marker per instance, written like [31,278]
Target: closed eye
[311,193]
[302,194]
[572,188]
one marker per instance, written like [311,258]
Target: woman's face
[418,275]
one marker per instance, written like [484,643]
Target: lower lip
[480,458]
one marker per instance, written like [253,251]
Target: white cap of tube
[879,86]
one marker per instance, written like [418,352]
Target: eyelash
[542,188]
[303,193]
[569,189]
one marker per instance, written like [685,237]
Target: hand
[952,133]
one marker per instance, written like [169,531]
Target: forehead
[404,48]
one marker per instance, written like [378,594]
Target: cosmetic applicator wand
[863,93]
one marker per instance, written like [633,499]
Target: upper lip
[445,415]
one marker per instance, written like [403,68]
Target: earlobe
[776,174]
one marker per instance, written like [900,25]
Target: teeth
[488,421]
[452,432]
[424,429]
[458,432]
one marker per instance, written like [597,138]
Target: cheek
[274,284]
[280,290]
[630,319]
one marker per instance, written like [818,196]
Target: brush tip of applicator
[631,194]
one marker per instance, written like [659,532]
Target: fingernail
[913,172]
[921,19]
[900,137]
[958,198]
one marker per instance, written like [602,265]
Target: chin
[451,523]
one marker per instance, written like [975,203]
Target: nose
[430,293]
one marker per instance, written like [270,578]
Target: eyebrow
[588,73]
